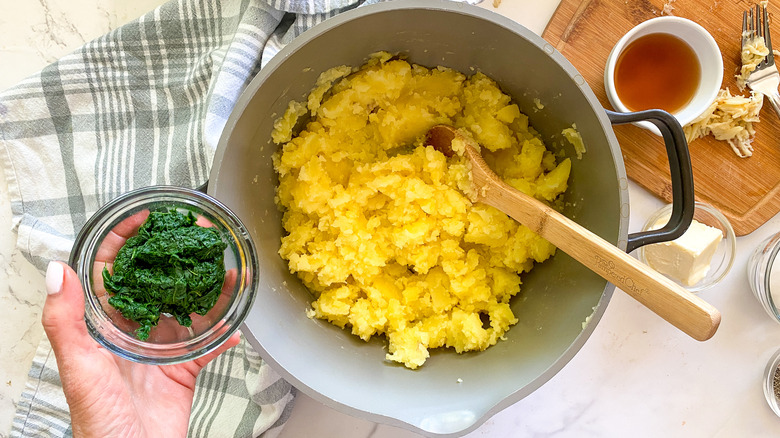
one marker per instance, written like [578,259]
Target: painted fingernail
[55,275]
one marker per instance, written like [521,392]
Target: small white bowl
[702,43]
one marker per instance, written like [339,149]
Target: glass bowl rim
[769,374]
[768,258]
[729,238]
[81,261]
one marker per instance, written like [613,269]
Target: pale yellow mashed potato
[378,224]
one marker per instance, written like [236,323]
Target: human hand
[107,395]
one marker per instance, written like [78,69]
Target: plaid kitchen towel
[142,105]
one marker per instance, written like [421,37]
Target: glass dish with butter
[698,259]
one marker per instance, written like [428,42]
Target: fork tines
[758,26]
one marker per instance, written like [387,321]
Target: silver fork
[765,78]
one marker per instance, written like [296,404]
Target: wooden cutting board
[746,190]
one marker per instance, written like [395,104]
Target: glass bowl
[168,342]
[769,383]
[761,273]
[724,254]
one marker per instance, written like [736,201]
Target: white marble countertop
[35,34]
[636,375]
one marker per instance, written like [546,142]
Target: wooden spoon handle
[667,299]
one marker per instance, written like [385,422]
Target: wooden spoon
[668,300]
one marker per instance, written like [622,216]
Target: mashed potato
[378,226]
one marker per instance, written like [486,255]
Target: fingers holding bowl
[117,237]
[168,329]
[201,323]
[104,260]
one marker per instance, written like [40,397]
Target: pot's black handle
[680,170]
[203,188]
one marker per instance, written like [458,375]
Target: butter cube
[687,258]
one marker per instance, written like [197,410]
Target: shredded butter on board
[668,8]
[729,118]
[752,54]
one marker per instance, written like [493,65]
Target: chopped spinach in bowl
[171,266]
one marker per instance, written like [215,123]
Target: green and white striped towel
[142,105]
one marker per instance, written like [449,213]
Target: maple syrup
[658,70]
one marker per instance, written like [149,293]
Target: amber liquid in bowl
[658,70]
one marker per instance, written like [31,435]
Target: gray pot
[452,393]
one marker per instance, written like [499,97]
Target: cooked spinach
[171,266]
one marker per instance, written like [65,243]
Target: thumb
[63,311]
